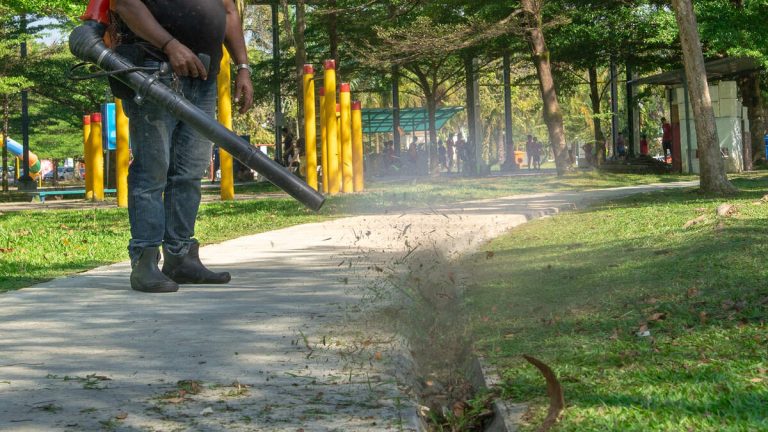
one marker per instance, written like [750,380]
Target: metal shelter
[380,120]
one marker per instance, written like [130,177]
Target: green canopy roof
[379,120]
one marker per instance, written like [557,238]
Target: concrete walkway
[294,342]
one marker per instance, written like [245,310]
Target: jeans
[169,159]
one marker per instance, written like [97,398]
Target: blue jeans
[169,159]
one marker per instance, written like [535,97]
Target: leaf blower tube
[86,43]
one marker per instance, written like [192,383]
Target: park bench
[42,194]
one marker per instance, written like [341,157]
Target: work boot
[188,269]
[147,277]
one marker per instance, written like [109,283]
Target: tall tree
[540,54]
[712,168]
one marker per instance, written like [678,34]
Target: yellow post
[331,128]
[96,174]
[310,128]
[122,154]
[339,176]
[87,155]
[357,146]
[323,140]
[226,162]
[347,179]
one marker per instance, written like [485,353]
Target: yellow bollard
[87,155]
[331,127]
[310,128]
[345,118]
[122,154]
[339,175]
[96,174]
[357,147]
[323,141]
[226,162]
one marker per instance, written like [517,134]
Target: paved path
[294,342]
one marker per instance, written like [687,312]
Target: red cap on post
[345,87]
[86,119]
[322,91]
[338,108]
[357,105]
[309,69]
[330,64]
[96,117]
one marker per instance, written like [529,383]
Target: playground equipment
[357,146]
[345,119]
[122,154]
[226,164]
[310,127]
[94,176]
[86,43]
[16,150]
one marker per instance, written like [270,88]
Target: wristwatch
[244,66]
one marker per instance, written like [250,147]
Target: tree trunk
[6,115]
[711,166]
[594,96]
[333,34]
[55,175]
[751,95]
[552,115]
[301,58]
[431,145]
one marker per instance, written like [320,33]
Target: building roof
[717,70]
[379,120]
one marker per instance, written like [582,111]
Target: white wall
[729,117]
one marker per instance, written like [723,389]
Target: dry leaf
[121,415]
[658,316]
[696,221]
[726,210]
[756,380]
[377,355]
[489,254]
[176,400]
[459,408]
[6,250]
[703,317]
[692,292]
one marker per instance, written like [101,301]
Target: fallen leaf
[703,317]
[121,415]
[696,221]
[756,380]
[615,334]
[727,304]
[377,355]
[206,411]
[6,250]
[658,316]
[489,254]
[692,292]
[176,400]
[726,210]
[459,408]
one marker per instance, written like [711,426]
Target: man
[529,150]
[666,137]
[621,146]
[169,156]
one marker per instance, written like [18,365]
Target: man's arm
[141,21]
[234,41]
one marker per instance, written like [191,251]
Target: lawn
[650,326]
[39,245]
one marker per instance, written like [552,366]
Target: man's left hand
[243,90]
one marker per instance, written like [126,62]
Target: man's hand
[243,90]
[184,61]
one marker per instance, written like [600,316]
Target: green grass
[574,290]
[36,246]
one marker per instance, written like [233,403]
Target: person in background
[666,137]
[441,154]
[451,151]
[621,146]
[529,145]
[461,152]
[644,144]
